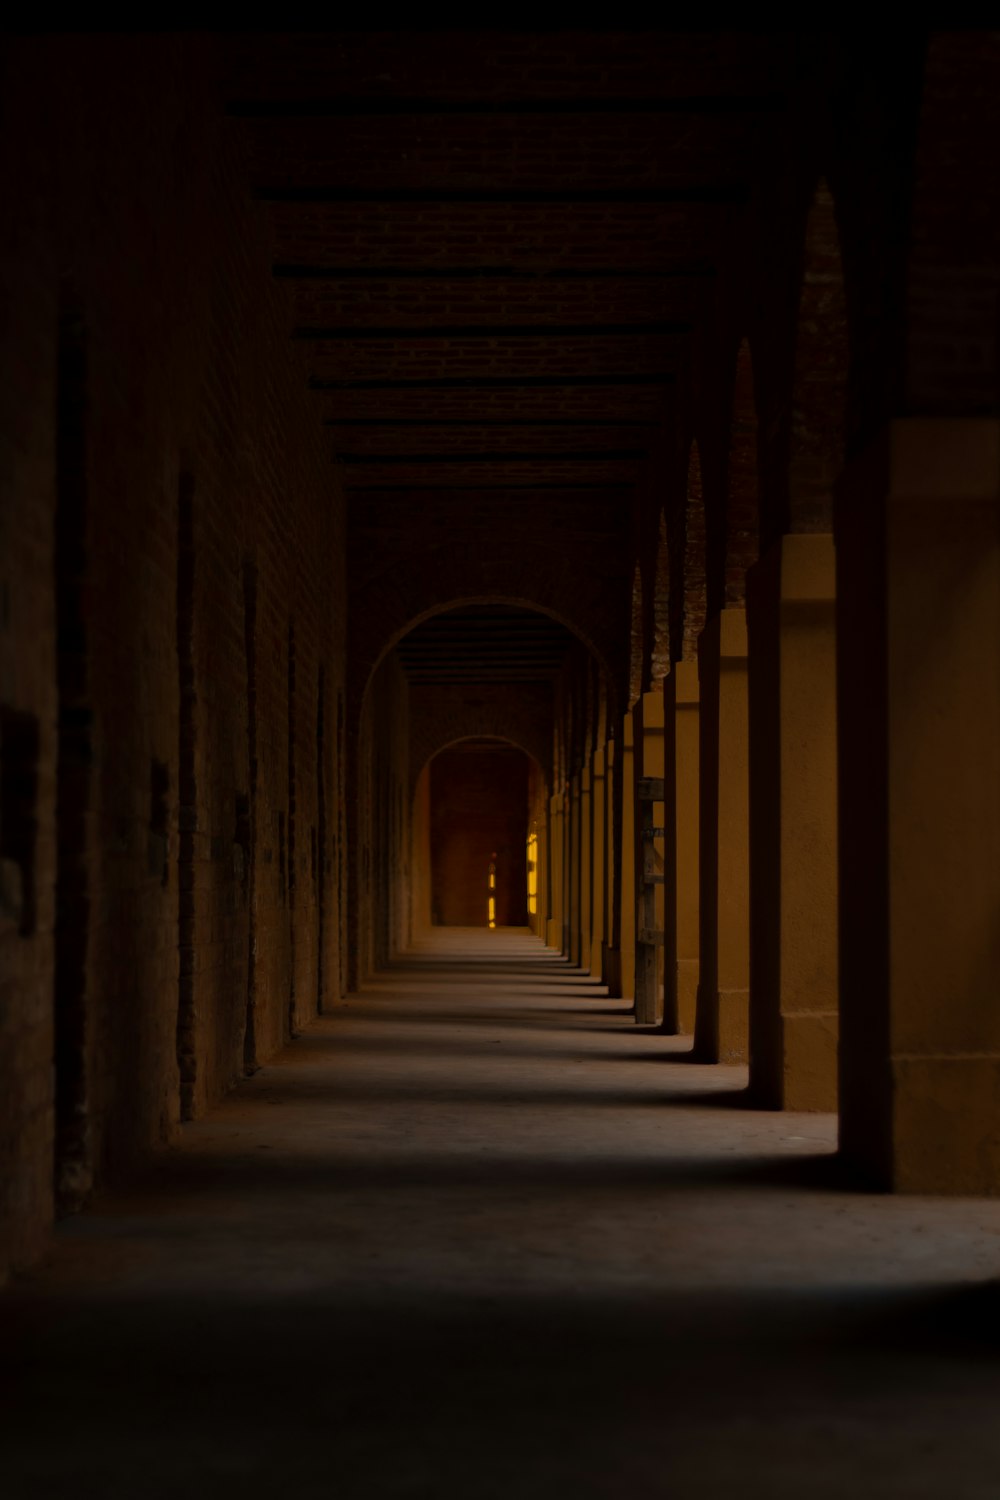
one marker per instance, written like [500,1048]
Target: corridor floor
[476,1235]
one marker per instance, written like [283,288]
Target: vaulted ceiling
[500,245]
[502,249]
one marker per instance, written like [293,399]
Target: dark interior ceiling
[485,643]
[502,249]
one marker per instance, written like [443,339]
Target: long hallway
[478,1235]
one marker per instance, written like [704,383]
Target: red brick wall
[189,389]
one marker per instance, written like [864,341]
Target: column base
[734,1026]
[946,1125]
[723,1026]
[806,1075]
[687,995]
[626,973]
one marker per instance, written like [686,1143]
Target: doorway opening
[478,835]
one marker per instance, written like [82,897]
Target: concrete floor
[476,1235]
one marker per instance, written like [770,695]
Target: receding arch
[695,548]
[742,538]
[819,385]
[636,641]
[440,718]
[660,659]
[485,739]
[465,601]
[473,807]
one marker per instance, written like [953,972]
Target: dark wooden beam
[475,489]
[492,382]
[692,194]
[494,331]
[610,455]
[289,271]
[487,422]
[344,106]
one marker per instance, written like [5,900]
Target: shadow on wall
[478,818]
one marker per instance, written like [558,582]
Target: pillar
[918,585]
[420,856]
[610,974]
[722,1021]
[542,871]
[574,871]
[627,900]
[648,761]
[582,956]
[554,925]
[680,864]
[791,631]
[598,862]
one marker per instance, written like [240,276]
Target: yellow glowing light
[492,885]
[532,874]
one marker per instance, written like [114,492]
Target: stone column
[574,871]
[542,881]
[582,955]
[648,761]
[680,865]
[554,925]
[791,630]
[598,865]
[918,586]
[567,867]
[627,927]
[722,1023]
[609,954]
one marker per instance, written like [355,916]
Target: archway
[660,660]
[475,667]
[742,512]
[635,676]
[819,386]
[476,803]
[695,543]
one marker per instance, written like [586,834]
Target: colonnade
[830,832]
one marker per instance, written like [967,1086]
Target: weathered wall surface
[158,463]
[381,889]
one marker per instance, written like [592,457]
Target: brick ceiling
[485,643]
[501,246]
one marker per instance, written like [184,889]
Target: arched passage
[742,519]
[473,668]
[819,384]
[695,560]
[635,675]
[722,1023]
[918,570]
[681,761]
[475,804]
[793,713]
[660,664]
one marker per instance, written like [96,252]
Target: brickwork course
[363,395]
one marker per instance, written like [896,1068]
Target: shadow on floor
[689,1394]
